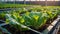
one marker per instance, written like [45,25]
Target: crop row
[34,17]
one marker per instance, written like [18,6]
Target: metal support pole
[24,2]
[46,2]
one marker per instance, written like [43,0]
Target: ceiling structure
[29,0]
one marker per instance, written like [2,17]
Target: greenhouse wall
[43,3]
[54,3]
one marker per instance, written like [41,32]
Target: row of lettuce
[34,17]
[9,5]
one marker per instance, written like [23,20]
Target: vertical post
[46,2]
[39,1]
[24,2]
[4,1]
[14,1]
[14,4]
[30,1]
[36,1]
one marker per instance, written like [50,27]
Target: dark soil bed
[58,31]
[3,19]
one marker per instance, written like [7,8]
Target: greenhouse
[29,16]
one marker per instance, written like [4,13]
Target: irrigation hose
[2,21]
[3,29]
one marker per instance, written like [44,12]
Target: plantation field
[29,16]
[6,5]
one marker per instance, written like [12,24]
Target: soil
[58,31]
[3,19]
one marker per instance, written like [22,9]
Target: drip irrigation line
[4,30]
[2,21]
[3,24]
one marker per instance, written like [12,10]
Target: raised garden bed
[13,30]
[12,27]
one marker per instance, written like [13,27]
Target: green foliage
[0,32]
[35,17]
